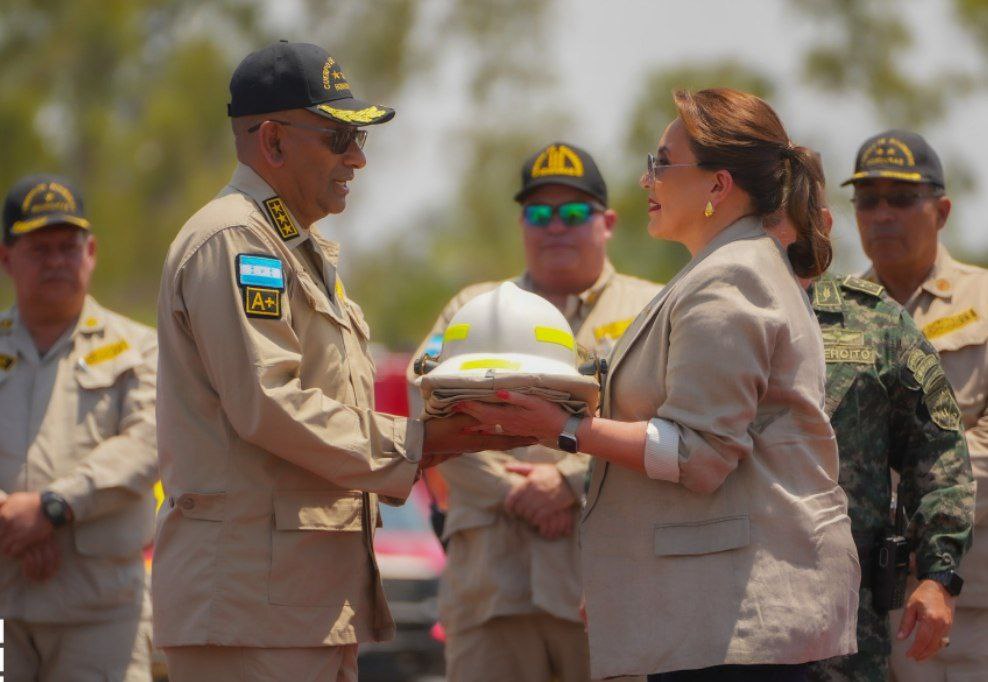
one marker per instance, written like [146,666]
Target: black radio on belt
[891,567]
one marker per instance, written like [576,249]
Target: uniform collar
[576,303]
[279,218]
[940,281]
[92,320]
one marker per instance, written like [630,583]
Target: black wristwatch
[949,579]
[567,439]
[55,508]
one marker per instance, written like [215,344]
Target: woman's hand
[518,415]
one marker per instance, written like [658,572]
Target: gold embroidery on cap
[368,115]
[888,151]
[557,160]
[105,353]
[48,197]
[326,72]
[281,218]
[945,325]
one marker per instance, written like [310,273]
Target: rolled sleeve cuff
[662,450]
[414,440]
[77,491]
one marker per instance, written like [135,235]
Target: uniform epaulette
[863,285]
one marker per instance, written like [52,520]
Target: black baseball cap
[897,155]
[37,201]
[298,76]
[561,163]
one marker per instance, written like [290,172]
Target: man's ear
[610,222]
[943,207]
[270,142]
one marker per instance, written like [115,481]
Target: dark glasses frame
[901,199]
[340,139]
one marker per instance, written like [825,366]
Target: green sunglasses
[572,213]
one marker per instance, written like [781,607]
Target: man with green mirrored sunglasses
[510,597]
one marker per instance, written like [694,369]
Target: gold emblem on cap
[48,197]
[558,159]
[368,115]
[327,69]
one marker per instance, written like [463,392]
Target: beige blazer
[271,454]
[80,421]
[499,565]
[951,308]
[749,557]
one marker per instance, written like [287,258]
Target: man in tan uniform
[900,205]
[272,456]
[510,597]
[77,453]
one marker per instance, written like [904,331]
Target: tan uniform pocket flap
[202,506]
[318,510]
[702,537]
[954,332]
[103,365]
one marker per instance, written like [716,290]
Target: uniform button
[188,503]
[171,501]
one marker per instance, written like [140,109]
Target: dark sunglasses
[869,201]
[572,213]
[340,139]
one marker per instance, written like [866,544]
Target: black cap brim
[22,227]
[556,180]
[353,112]
[899,176]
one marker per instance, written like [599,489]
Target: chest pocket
[99,373]
[954,332]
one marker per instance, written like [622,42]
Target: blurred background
[127,98]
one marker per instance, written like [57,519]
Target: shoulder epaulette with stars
[863,285]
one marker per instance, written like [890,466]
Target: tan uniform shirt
[271,454]
[79,421]
[500,565]
[748,558]
[951,308]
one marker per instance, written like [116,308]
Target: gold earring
[709,210]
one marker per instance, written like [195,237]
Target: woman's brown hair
[741,134]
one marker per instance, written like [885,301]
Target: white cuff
[662,450]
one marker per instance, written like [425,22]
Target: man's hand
[543,492]
[930,607]
[557,525]
[449,436]
[22,523]
[41,561]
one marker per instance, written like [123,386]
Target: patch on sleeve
[281,219]
[434,346]
[262,302]
[260,271]
[6,362]
[937,396]
[863,285]
[945,325]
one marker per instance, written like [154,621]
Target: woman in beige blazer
[715,540]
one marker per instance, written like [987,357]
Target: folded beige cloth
[576,394]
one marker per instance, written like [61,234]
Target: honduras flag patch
[260,271]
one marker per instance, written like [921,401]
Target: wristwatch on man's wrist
[567,439]
[55,508]
[950,580]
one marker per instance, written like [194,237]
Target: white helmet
[510,338]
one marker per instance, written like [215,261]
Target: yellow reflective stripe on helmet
[490,363]
[557,336]
[456,332]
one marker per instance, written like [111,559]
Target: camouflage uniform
[892,408]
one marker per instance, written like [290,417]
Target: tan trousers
[965,660]
[254,664]
[528,648]
[115,651]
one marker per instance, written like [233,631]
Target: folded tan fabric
[576,394]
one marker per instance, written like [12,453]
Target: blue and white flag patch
[260,271]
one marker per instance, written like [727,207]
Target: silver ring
[498,429]
[945,641]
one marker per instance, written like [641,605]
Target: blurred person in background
[272,455]
[77,453]
[893,411]
[901,207]
[510,595]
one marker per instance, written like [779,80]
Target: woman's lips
[653,206]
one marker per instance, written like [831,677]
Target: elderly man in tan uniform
[900,205]
[272,456]
[77,453]
[510,597]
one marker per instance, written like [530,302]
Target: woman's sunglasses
[571,214]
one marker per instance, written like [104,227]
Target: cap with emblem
[38,201]
[897,155]
[298,76]
[562,164]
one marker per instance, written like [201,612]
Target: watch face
[53,508]
[567,443]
